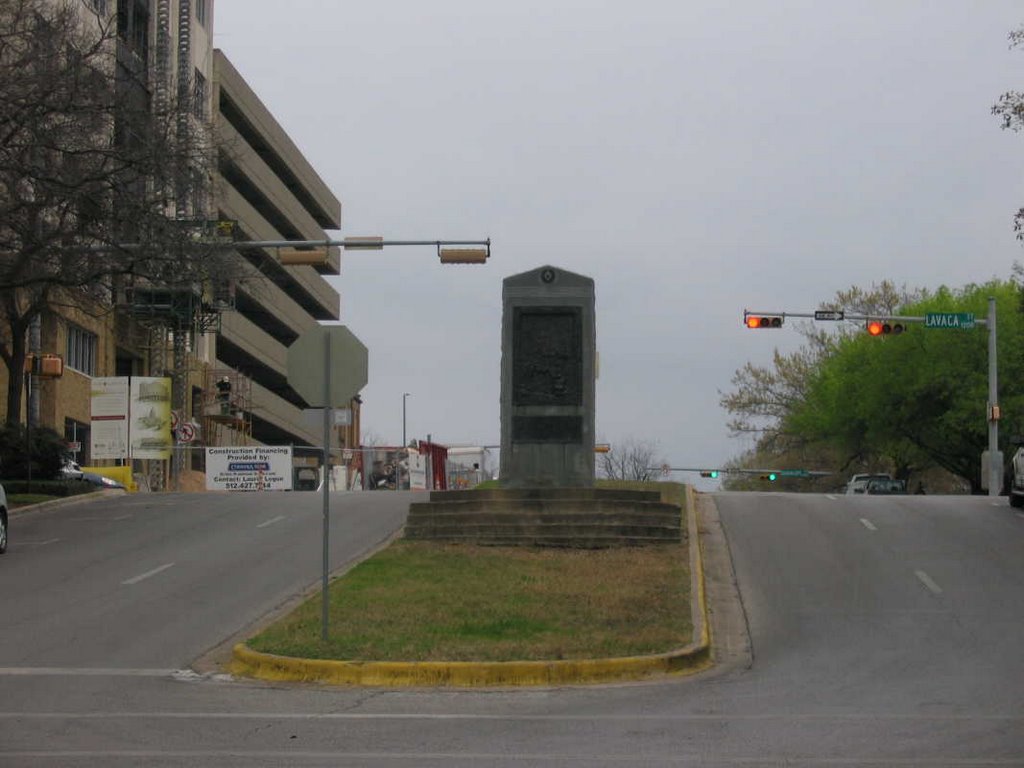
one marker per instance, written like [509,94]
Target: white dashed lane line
[928,582]
[146,575]
[271,521]
[868,524]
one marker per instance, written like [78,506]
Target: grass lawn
[427,601]
[16,500]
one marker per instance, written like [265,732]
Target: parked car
[71,470]
[1017,473]
[3,520]
[859,483]
[881,486]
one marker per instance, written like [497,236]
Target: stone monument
[548,343]
[547,498]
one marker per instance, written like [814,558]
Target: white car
[859,483]
[71,470]
[3,520]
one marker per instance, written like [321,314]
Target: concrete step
[565,521]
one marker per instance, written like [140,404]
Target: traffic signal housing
[763,321]
[709,473]
[463,255]
[770,477]
[884,327]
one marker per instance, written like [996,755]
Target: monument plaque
[547,384]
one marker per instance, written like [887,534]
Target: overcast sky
[694,157]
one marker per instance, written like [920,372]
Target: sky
[694,157]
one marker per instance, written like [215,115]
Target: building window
[199,96]
[81,350]
[200,7]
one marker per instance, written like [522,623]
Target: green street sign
[958,320]
[794,473]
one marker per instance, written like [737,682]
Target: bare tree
[1010,111]
[763,396]
[630,460]
[93,174]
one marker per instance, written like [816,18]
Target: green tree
[919,399]
[763,398]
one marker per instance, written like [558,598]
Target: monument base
[586,518]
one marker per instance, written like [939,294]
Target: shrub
[47,450]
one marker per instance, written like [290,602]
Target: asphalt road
[883,631]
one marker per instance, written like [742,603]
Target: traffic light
[763,321]
[770,477]
[884,327]
[709,473]
[463,255]
[292,257]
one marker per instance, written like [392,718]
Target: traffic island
[361,669]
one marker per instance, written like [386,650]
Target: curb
[690,659]
[81,498]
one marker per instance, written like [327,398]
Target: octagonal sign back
[307,359]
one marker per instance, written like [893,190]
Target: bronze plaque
[547,362]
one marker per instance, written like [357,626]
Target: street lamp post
[404,395]
[405,447]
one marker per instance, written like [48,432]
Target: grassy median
[425,601]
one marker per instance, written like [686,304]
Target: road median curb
[692,658]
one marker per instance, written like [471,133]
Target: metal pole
[995,463]
[324,618]
[404,395]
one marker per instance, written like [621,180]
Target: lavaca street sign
[962,320]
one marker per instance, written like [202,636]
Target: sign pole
[995,463]
[328,417]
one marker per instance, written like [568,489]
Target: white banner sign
[249,468]
[150,433]
[109,418]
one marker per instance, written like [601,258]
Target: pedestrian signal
[884,327]
[763,321]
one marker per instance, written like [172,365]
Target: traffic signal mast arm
[830,315]
[706,472]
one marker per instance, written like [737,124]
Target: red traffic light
[763,321]
[883,327]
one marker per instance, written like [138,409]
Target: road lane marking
[147,574]
[853,717]
[84,672]
[868,524]
[38,543]
[928,582]
[1020,515]
[271,521]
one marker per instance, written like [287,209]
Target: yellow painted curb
[688,660]
[464,673]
